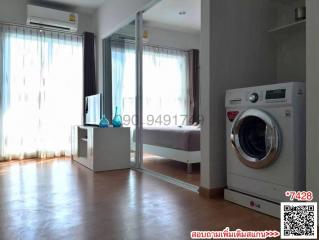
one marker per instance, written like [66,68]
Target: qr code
[298,220]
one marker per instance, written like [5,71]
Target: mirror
[119,58]
[171,131]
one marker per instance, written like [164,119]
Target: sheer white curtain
[123,79]
[41,92]
[165,84]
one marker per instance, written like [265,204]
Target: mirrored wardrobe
[151,78]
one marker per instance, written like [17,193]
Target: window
[41,92]
[165,87]
[165,84]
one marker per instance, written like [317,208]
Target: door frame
[139,89]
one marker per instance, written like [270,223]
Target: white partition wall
[312,84]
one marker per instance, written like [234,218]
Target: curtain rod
[39,28]
[131,41]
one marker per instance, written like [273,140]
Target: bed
[180,143]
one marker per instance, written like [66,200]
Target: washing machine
[265,145]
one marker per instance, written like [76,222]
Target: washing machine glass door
[255,138]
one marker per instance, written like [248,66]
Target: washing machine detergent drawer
[265,190]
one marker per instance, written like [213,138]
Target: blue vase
[104,123]
[117,120]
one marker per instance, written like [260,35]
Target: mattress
[186,138]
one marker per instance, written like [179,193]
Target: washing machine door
[255,138]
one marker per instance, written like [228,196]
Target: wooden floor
[172,168]
[60,199]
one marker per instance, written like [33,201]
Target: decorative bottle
[104,123]
[117,120]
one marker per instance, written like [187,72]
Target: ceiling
[88,5]
[166,15]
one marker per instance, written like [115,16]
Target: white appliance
[265,145]
[52,18]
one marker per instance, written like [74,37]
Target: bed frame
[175,154]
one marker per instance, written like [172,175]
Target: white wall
[312,96]
[290,45]
[237,51]
[15,11]
[205,96]
[174,39]
[110,17]
[114,14]
[166,37]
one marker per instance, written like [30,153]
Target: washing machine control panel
[270,95]
[275,94]
[253,97]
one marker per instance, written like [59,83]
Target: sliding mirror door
[119,53]
[151,79]
[171,130]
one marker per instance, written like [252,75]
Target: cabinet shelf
[288,27]
[101,149]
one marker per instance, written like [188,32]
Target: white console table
[101,149]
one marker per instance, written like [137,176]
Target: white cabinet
[101,149]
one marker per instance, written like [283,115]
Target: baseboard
[214,193]
[257,204]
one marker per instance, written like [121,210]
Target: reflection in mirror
[171,131]
[119,58]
